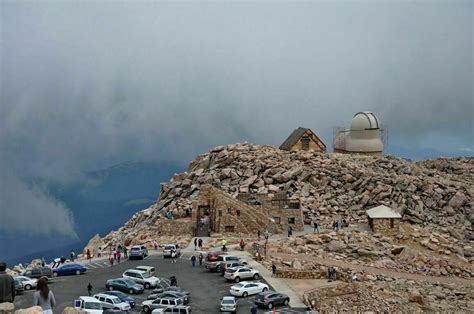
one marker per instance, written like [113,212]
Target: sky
[88,84]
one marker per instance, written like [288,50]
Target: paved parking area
[206,288]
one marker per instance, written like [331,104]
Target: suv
[238,273]
[222,266]
[149,269]
[149,305]
[138,251]
[88,305]
[169,247]
[112,302]
[141,277]
[38,272]
[181,309]
[271,298]
[213,264]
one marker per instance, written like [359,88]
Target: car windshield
[93,306]
[135,249]
[227,301]
[129,282]
[120,294]
[239,285]
[169,247]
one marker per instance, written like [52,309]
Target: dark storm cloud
[89,84]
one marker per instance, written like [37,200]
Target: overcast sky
[85,85]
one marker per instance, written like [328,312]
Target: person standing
[242,244]
[111,260]
[7,288]
[118,257]
[315,225]
[43,296]
[193,260]
[274,270]
[173,256]
[195,243]
[72,255]
[253,310]
[200,244]
[200,259]
[89,289]
[125,250]
[99,252]
[155,245]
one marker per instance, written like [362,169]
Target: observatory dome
[365,120]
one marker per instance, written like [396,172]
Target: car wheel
[245,294]
[147,286]
[237,279]
[131,291]
[27,287]
[146,309]
[256,276]
[78,272]
[264,289]
[286,302]
[55,274]
[270,305]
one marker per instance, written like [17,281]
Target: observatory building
[364,136]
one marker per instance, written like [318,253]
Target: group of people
[339,224]
[43,297]
[197,244]
[193,260]
[117,253]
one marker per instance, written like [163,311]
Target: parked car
[149,269]
[229,304]
[112,302]
[226,265]
[38,272]
[149,305]
[170,247]
[246,288]
[269,299]
[89,305]
[238,273]
[69,269]
[122,296]
[27,282]
[124,285]
[170,294]
[141,277]
[181,309]
[18,286]
[138,252]
[212,264]
[171,289]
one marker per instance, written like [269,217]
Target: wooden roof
[295,136]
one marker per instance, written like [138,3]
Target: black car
[122,296]
[269,299]
[38,272]
[124,285]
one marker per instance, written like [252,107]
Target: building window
[238,212]
[277,220]
[220,212]
[305,142]
[391,223]
[291,220]
[229,228]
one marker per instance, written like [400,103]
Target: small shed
[303,139]
[384,219]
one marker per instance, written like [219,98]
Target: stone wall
[285,214]
[173,226]
[384,225]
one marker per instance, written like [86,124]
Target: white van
[88,305]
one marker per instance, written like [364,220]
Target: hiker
[290,231]
[155,245]
[258,235]
[43,296]
[200,244]
[7,287]
[111,260]
[193,260]
[334,274]
[329,273]
[89,289]
[195,243]
[72,255]
[224,243]
[315,225]
[200,259]
[173,256]
[125,252]
[274,269]
[228,210]
[242,244]
[313,305]
[344,222]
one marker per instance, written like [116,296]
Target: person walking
[155,245]
[125,250]
[111,260]
[195,243]
[193,260]
[274,270]
[7,289]
[290,231]
[200,244]
[115,254]
[72,255]
[173,256]
[99,252]
[242,244]
[200,259]
[315,225]
[88,254]
[118,257]
[253,310]
[89,289]
[43,296]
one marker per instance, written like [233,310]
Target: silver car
[169,248]
[238,273]
[229,304]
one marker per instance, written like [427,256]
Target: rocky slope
[436,195]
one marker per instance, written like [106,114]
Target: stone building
[303,139]
[363,137]
[217,212]
[384,219]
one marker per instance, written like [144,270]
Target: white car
[141,277]
[246,288]
[241,272]
[112,302]
[27,282]
[89,305]
[229,304]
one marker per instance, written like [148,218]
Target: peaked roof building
[303,139]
